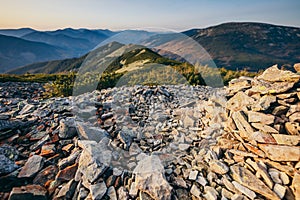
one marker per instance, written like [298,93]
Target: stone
[249,193]
[28,192]
[67,173]
[284,178]
[280,152]
[7,165]
[264,87]
[264,102]
[210,193]
[183,147]
[26,109]
[150,178]
[262,118]
[122,193]
[242,124]
[263,137]
[237,197]
[67,191]
[201,180]
[280,110]
[48,150]
[275,174]
[295,117]
[179,181]
[262,171]
[292,128]
[98,190]
[218,167]
[86,132]
[297,67]
[249,180]
[279,190]
[236,85]
[264,128]
[70,160]
[67,128]
[33,165]
[111,193]
[291,140]
[296,185]
[195,191]
[133,190]
[238,101]
[273,74]
[45,175]
[89,167]
[193,175]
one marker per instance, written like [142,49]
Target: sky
[140,14]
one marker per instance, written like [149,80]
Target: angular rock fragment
[280,152]
[150,178]
[249,180]
[260,117]
[98,190]
[33,165]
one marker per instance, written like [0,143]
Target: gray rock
[98,190]
[111,193]
[7,165]
[279,190]
[193,175]
[67,190]
[67,128]
[33,165]
[249,193]
[195,191]
[88,132]
[218,167]
[150,178]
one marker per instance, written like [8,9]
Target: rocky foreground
[164,142]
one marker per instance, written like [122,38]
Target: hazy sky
[131,14]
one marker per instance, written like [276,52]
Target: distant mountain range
[253,46]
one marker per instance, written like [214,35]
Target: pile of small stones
[161,142]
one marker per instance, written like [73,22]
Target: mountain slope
[113,57]
[249,45]
[16,52]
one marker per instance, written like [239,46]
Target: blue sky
[135,14]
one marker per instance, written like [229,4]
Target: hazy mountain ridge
[16,52]
[253,46]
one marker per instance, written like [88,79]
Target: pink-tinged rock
[280,152]
[263,137]
[290,140]
[260,117]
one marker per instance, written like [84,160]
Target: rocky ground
[163,142]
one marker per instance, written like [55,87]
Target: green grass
[63,84]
